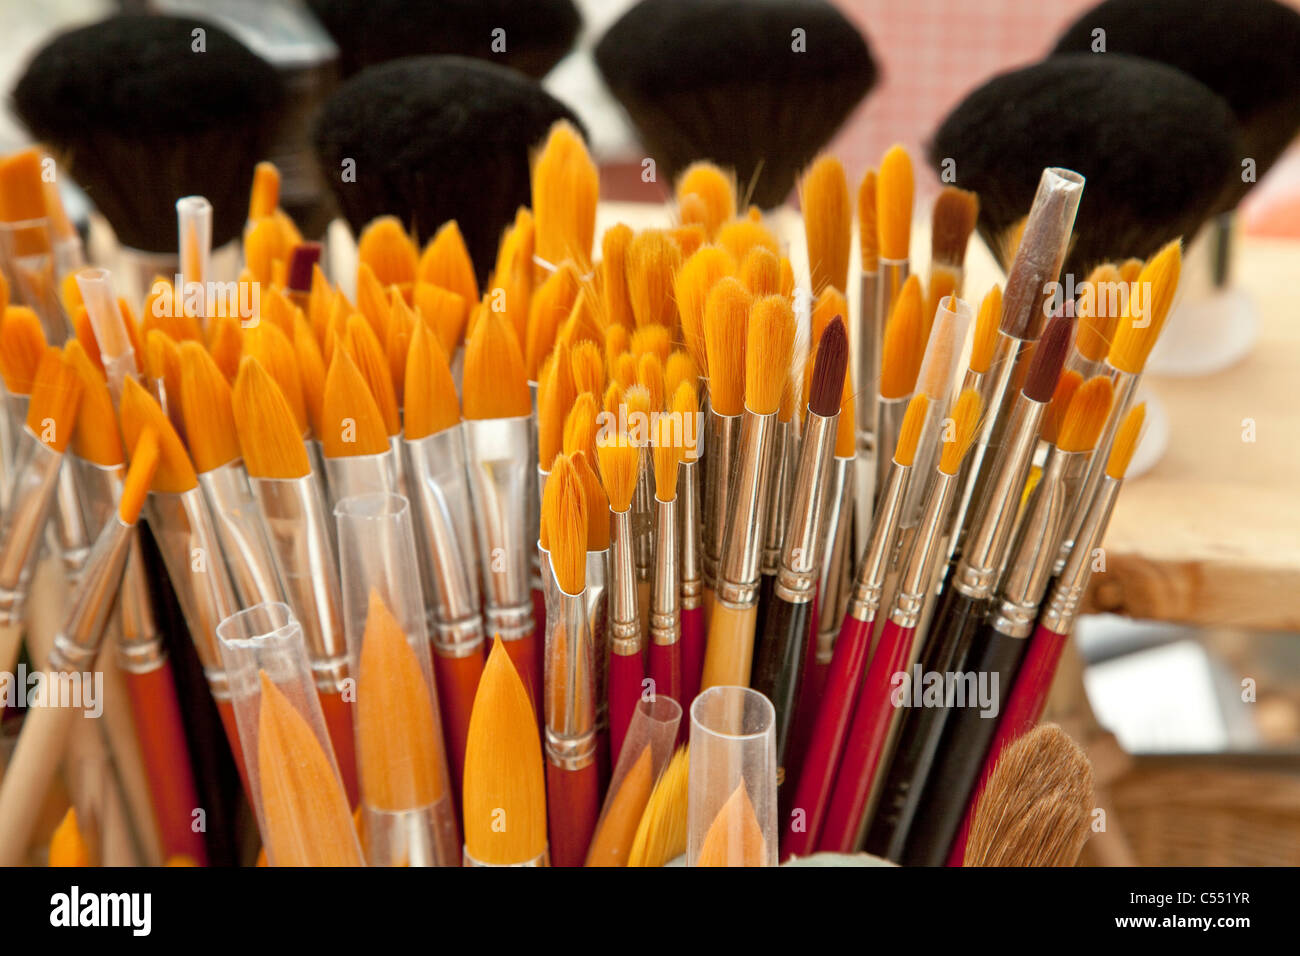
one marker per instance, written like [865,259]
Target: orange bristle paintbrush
[565,189]
[952,222]
[613,276]
[828,222]
[620,461]
[354,436]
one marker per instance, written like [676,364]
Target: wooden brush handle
[817,776]
[572,807]
[338,724]
[11,642]
[27,779]
[728,658]
[457,679]
[692,641]
[626,672]
[780,663]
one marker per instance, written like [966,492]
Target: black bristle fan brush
[436,138]
[529,37]
[733,81]
[142,110]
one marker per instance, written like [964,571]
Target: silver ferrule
[624,616]
[421,836]
[890,413]
[501,480]
[985,551]
[297,529]
[444,522]
[542,859]
[182,525]
[864,601]
[1125,389]
[8,418]
[1037,265]
[598,621]
[665,598]
[783,464]
[1067,597]
[737,585]
[70,525]
[835,555]
[796,579]
[688,533]
[31,496]
[100,487]
[569,680]
[242,535]
[643,498]
[918,570]
[140,648]
[77,644]
[533,508]
[868,341]
[535,571]
[721,446]
[362,475]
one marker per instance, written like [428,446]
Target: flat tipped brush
[27,241]
[354,436]
[661,835]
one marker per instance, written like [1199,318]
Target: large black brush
[142,110]
[436,138]
[1246,51]
[1157,147]
[533,35]
[759,86]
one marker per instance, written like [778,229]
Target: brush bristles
[385,247]
[666,455]
[652,260]
[894,203]
[1136,334]
[1035,808]
[624,371]
[828,222]
[1049,357]
[768,350]
[845,426]
[351,423]
[1066,386]
[680,368]
[550,305]
[613,275]
[21,195]
[1086,415]
[269,435]
[597,502]
[226,344]
[613,399]
[566,187]
[637,401]
[691,288]
[372,362]
[264,197]
[431,401]
[829,369]
[564,517]
[401,326]
[1126,440]
[274,352]
[830,302]
[206,409]
[734,838]
[715,191]
[956,441]
[955,212]
[1130,269]
[985,338]
[686,402]
[868,230]
[56,397]
[495,382]
[726,320]
[446,262]
[1097,320]
[311,370]
[68,844]
[742,235]
[909,434]
[580,427]
[96,439]
[588,368]
[761,272]
[661,834]
[443,311]
[555,396]
[139,477]
[904,343]
[617,341]
[650,375]
[620,463]
[163,364]
[653,340]
[140,412]
[22,345]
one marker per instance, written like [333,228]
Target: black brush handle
[779,668]
[955,624]
[962,751]
[766,595]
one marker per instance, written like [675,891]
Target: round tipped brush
[952,222]
[894,191]
[665,598]
[476,122]
[786,624]
[769,344]
[828,222]
[725,79]
[691,287]
[706,194]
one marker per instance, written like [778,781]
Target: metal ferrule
[665,598]
[1125,389]
[399,465]
[598,621]
[890,413]
[241,534]
[533,507]
[77,644]
[835,556]
[8,417]
[140,648]
[737,585]
[864,601]
[624,617]
[70,525]
[534,568]
[688,534]
[35,476]
[569,679]
[984,553]
[297,529]
[362,475]
[796,579]
[35,276]
[784,463]
[721,445]
[914,583]
[868,338]
[892,275]
[542,859]
[1034,551]
[1072,585]
[182,525]
[643,498]
[420,836]
[501,480]
[440,489]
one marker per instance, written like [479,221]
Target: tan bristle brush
[952,222]
[565,189]
[1036,807]
[769,346]
[828,222]
[661,834]
[613,276]
[652,259]
[691,287]
[715,190]
[902,351]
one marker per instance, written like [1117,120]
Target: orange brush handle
[227,711]
[338,723]
[457,683]
[573,805]
[166,760]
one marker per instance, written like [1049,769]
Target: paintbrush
[828,222]
[597,589]
[866,337]
[1098,309]
[26,239]
[902,351]
[875,709]
[354,436]
[68,845]
[32,765]
[672,435]
[22,345]
[435,450]
[685,405]
[565,187]
[769,344]
[706,196]
[894,190]
[298,529]
[661,833]
[503,772]
[952,222]
[1037,805]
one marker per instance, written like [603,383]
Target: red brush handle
[523,654]
[1023,709]
[572,805]
[338,724]
[872,717]
[693,642]
[227,711]
[166,757]
[827,739]
[666,669]
[457,679]
[626,672]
